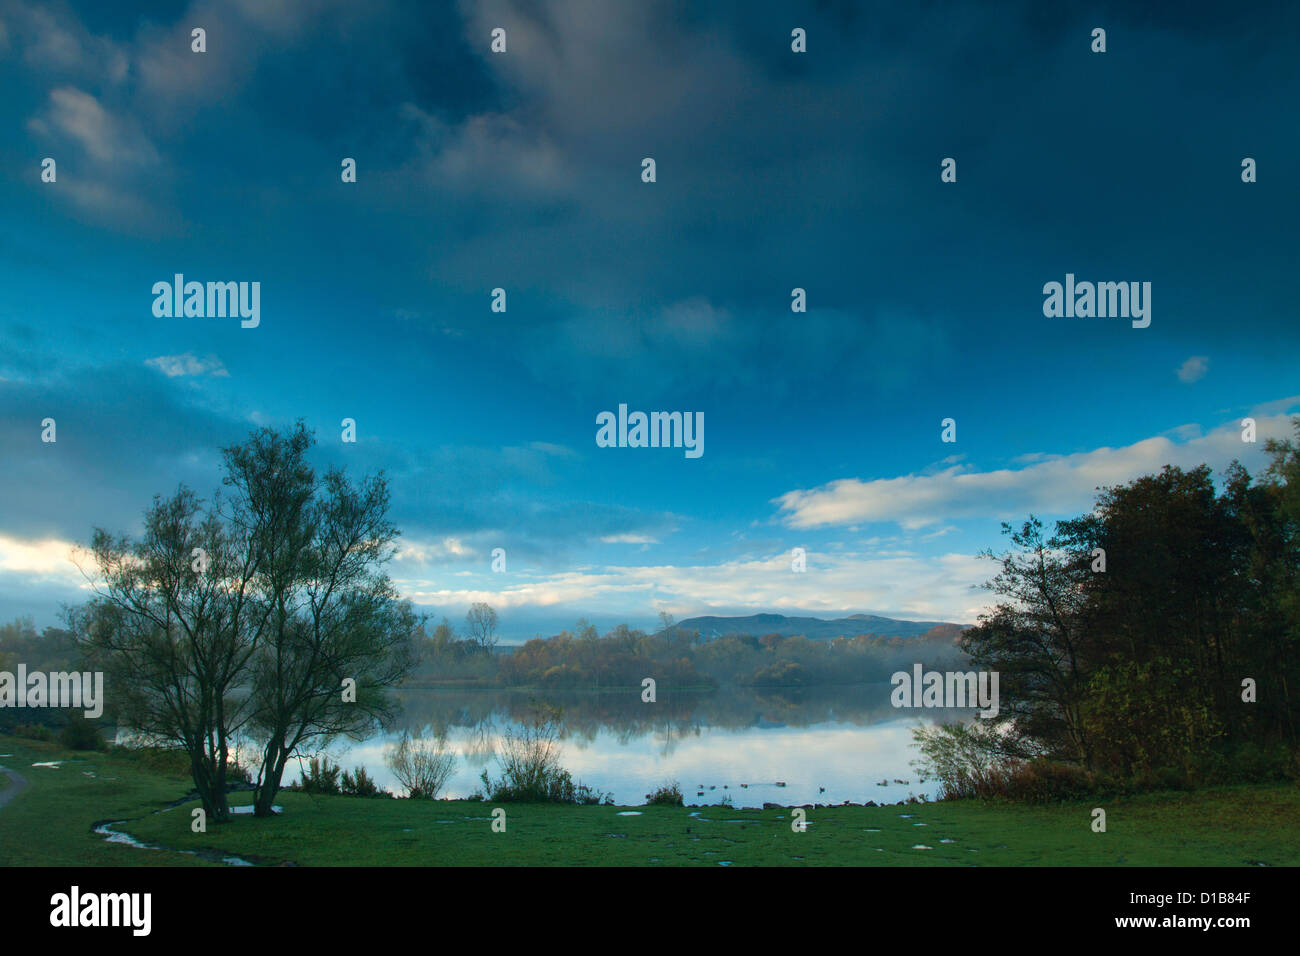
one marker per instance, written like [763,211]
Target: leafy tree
[1137,668]
[176,617]
[339,634]
[246,616]
[1146,722]
[1276,565]
[1034,639]
[1201,577]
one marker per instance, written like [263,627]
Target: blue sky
[521,170]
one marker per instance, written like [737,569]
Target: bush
[1146,723]
[969,760]
[33,732]
[669,795]
[966,759]
[1252,761]
[360,784]
[82,734]
[558,788]
[321,777]
[421,764]
[1044,781]
[530,765]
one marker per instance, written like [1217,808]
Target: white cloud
[433,552]
[188,364]
[491,151]
[106,138]
[46,557]
[1279,406]
[939,587]
[1194,369]
[550,448]
[53,41]
[589,66]
[1056,484]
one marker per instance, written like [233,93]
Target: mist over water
[739,742]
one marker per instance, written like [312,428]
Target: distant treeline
[677,657]
[52,650]
[676,714]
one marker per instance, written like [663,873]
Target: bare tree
[481,622]
[1035,639]
[423,765]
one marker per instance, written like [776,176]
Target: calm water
[729,743]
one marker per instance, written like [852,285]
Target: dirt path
[17,784]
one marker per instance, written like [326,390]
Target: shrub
[965,758]
[422,765]
[33,732]
[669,795]
[1146,724]
[81,734]
[968,760]
[1252,761]
[1044,781]
[359,784]
[530,767]
[320,777]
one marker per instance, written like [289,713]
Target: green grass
[50,824]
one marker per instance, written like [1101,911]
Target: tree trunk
[273,762]
[211,787]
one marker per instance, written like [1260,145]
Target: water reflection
[737,747]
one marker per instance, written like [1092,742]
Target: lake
[826,745]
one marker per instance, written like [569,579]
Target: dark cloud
[522,171]
[124,434]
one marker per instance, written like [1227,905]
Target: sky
[522,170]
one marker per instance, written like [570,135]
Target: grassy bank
[50,823]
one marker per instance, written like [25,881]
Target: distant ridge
[813,628]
